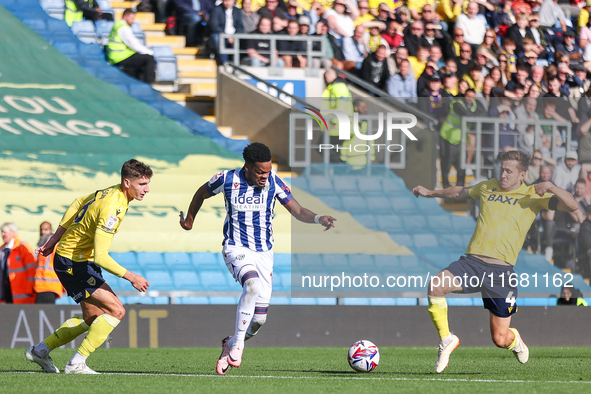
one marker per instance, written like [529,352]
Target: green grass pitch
[304,370]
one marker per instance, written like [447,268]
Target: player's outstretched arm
[200,195]
[47,248]
[566,201]
[457,193]
[305,215]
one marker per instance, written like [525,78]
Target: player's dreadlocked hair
[133,169]
[256,153]
[521,157]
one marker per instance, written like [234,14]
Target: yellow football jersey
[504,220]
[101,211]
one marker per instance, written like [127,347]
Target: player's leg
[447,281]
[104,310]
[506,337]
[265,269]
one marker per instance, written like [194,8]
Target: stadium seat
[429,206]
[404,205]
[57,26]
[361,262]
[89,50]
[415,224]
[36,24]
[320,185]
[92,61]
[402,239]
[334,264]
[440,224]
[151,261]
[223,300]
[214,280]
[186,280]
[66,47]
[463,224]
[355,301]
[354,204]
[282,262]
[166,71]
[54,8]
[345,186]
[366,220]
[425,241]
[300,182]
[127,260]
[85,31]
[138,33]
[159,280]
[371,186]
[304,263]
[282,281]
[177,261]
[106,8]
[334,202]
[193,300]
[103,31]
[452,241]
[390,223]
[139,300]
[394,185]
[382,301]
[207,261]
[379,205]
[386,263]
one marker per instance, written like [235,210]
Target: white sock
[245,311]
[446,341]
[77,359]
[41,349]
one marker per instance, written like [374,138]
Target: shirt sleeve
[102,244]
[73,210]
[475,190]
[132,42]
[216,183]
[282,192]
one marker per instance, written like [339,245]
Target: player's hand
[419,191]
[137,281]
[186,223]
[327,222]
[46,249]
[543,187]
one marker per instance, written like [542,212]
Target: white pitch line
[338,378]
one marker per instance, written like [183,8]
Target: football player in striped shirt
[250,193]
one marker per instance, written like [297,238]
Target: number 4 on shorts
[510,299]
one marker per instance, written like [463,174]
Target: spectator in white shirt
[472,24]
[124,49]
[354,48]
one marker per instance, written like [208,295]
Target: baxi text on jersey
[249,203]
[503,199]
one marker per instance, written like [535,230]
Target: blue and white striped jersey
[250,208]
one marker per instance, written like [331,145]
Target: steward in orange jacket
[18,273]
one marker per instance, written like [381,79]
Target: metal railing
[488,137]
[306,137]
[235,50]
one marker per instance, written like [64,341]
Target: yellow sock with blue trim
[99,330]
[67,332]
[438,313]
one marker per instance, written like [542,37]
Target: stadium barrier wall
[295,326]
[260,117]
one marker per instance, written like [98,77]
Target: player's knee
[253,286]
[259,319]
[499,339]
[117,311]
[435,289]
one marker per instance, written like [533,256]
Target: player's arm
[102,244]
[200,195]
[456,193]
[47,248]
[561,201]
[305,215]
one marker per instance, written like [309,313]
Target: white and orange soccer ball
[363,356]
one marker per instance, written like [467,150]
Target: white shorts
[243,263]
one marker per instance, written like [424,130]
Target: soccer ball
[363,356]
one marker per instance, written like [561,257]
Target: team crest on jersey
[240,257]
[104,193]
[91,281]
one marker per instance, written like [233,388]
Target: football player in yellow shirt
[508,209]
[84,235]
